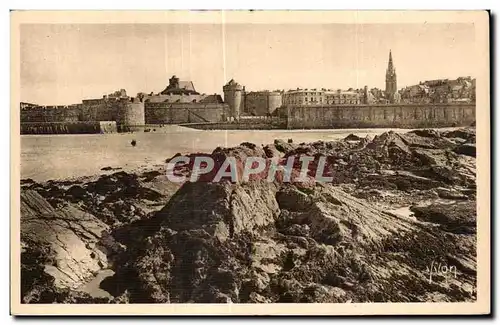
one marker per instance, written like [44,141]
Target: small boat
[133,143]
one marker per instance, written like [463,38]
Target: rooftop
[177,86]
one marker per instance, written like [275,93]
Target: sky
[63,64]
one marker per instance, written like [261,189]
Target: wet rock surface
[257,241]
[330,248]
[68,236]
[455,218]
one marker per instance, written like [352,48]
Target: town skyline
[62,64]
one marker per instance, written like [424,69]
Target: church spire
[390,80]
[390,66]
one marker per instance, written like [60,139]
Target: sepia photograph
[250,162]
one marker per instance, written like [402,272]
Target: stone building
[261,103]
[304,97]
[178,103]
[368,97]
[440,91]
[233,96]
[311,97]
[253,103]
[341,97]
[177,91]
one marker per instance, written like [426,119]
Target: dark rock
[283,146]
[241,152]
[427,133]
[271,151]
[293,200]
[457,218]
[426,157]
[257,298]
[390,147]
[150,175]
[121,185]
[226,210]
[27,181]
[445,193]
[468,149]
[468,134]
[109,168]
[352,137]
[76,193]
[248,145]
[450,175]
[297,230]
[402,182]
[316,293]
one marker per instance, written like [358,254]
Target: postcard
[250,163]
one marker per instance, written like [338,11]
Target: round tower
[130,115]
[233,96]
[275,100]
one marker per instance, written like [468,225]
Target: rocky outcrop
[283,146]
[455,218]
[76,222]
[468,149]
[323,246]
[116,199]
[228,210]
[260,241]
[352,137]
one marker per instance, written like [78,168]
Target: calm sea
[45,157]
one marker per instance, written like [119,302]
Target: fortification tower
[233,96]
[275,100]
[131,115]
[391,85]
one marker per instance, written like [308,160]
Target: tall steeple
[390,66]
[391,86]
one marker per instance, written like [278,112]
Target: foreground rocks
[58,248]
[261,242]
[66,229]
[68,233]
[325,247]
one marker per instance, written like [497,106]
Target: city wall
[133,115]
[261,103]
[100,109]
[174,98]
[390,116]
[254,123]
[95,127]
[179,113]
[41,114]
